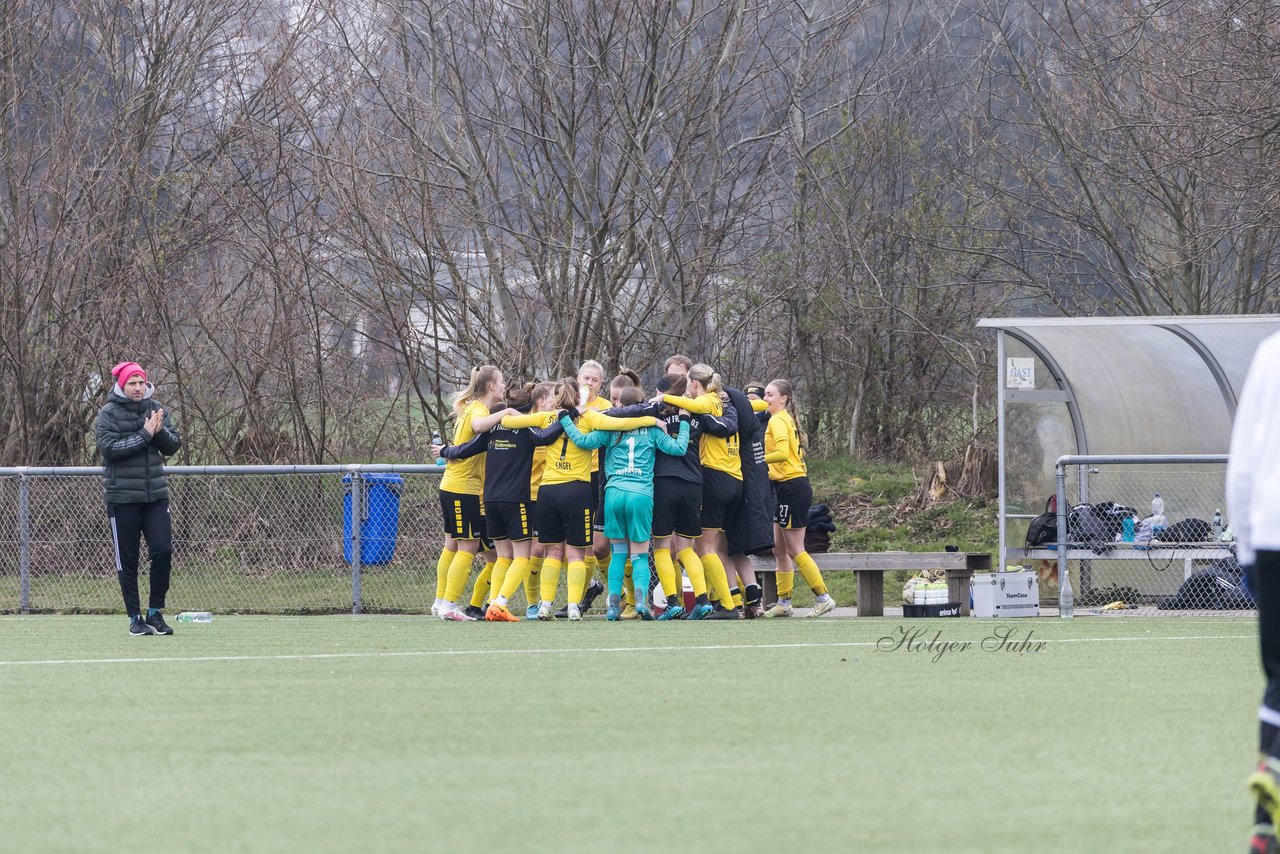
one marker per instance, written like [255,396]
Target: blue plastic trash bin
[381,520]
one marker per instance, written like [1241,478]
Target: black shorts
[677,507]
[564,513]
[721,498]
[462,515]
[793,498]
[597,490]
[508,520]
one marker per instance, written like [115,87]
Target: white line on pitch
[559,650]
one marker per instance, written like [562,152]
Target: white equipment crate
[1006,594]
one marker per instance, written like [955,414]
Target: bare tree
[1139,150]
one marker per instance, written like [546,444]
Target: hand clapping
[154,422]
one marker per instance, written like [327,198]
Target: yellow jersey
[714,452]
[465,477]
[782,449]
[563,461]
[597,404]
[535,474]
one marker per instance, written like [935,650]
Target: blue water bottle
[1127,529]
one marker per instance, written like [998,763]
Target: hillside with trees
[309,220]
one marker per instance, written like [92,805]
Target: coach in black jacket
[134,434]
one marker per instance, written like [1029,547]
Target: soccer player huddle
[556,476]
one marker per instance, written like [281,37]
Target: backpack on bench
[1187,531]
[1096,525]
[1043,529]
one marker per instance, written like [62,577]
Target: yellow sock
[442,571]
[786,582]
[512,580]
[531,581]
[629,584]
[550,579]
[577,581]
[499,579]
[693,568]
[666,572]
[717,579]
[481,589]
[736,595]
[459,572]
[812,575]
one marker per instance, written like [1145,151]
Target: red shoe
[500,614]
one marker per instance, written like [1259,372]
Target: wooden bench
[871,567]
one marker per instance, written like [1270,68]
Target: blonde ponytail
[566,393]
[709,380]
[482,379]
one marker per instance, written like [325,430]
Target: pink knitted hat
[123,371]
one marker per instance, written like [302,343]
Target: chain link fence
[280,539]
[1143,534]
[261,539]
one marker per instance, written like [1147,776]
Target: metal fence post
[24,542]
[357,523]
[1066,605]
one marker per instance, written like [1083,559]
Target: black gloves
[819,520]
[818,531]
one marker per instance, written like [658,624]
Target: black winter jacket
[751,531]
[133,462]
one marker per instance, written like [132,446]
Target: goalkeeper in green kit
[628,496]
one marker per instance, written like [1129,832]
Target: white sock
[822,597]
[501,601]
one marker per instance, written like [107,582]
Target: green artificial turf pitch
[395,733]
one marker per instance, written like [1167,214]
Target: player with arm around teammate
[629,463]
[461,488]
[565,501]
[510,449]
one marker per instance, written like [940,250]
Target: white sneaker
[453,614]
[546,612]
[826,606]
[435,608]
[575,613]
[779,610]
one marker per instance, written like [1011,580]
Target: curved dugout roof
[1142,385]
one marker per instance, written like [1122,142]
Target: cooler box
[1006,594]
[381,522]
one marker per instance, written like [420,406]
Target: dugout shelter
[1116,386]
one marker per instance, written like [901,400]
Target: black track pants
[129,523]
